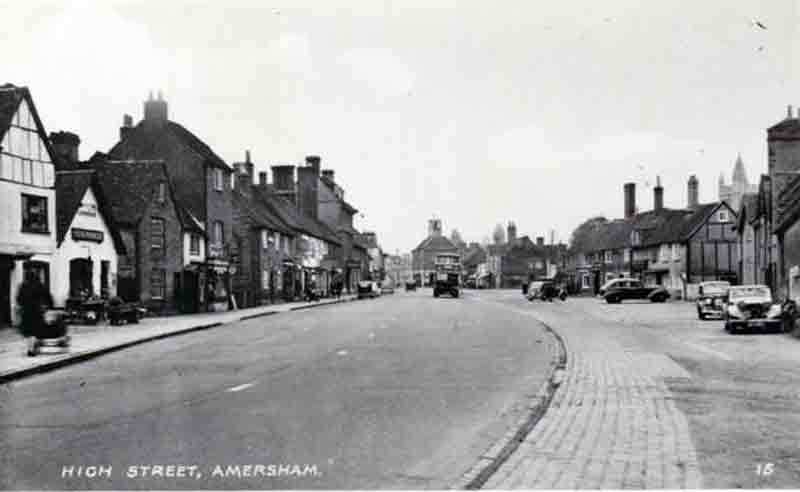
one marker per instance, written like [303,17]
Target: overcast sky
[477,112]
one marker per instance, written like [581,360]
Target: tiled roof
[474,256]
[129,185]
[260,214]
[655,227]
[148,141]
[71,187]
[331,185]
[189,221]
[436,243]
[292,218]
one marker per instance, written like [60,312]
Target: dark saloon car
[631,288]
[411,285]
[711,298]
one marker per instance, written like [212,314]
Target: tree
[582,235]
[499,234]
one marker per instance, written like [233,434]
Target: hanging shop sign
[87,235]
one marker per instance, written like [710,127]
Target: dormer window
[722,216]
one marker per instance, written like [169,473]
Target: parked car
[411,285]
[753,307]
[631,288]
[387,288]
[545,290]
[711,298]
[609,284]
[368,289]
[120,312]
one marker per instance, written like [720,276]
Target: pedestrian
[32,298]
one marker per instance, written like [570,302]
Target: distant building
[732,193]
[424,255]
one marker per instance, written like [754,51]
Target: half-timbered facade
[27,196]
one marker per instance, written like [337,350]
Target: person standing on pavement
[32,298]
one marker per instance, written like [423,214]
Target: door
[104,272]
[5,290]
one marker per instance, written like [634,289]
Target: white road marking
[708,351]
[342,352]
[241,387]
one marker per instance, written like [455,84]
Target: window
[157,235]
[218,179]
[162,192]
[722,216]
[676,251]
[40,269]
[285,244]
[158,281]
[636,238]
[34,214]
[194,244]
[608,256]
[219,232]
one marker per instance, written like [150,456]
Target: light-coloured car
[752,307]
[711,298]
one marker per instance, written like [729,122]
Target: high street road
[402,391]
[408,391]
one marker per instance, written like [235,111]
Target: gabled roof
[71,187]
[260,213]
[10,98]
[436,243]
[145,137]
[128,185]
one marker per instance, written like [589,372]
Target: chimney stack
[65,145]
[658,195]
[308,190]
[693,192]
[262,179]
[434,227]
[539,240]
[243,178]
[127,124]
[314,161]
[155,110]
[789,112]
[630,200]
[283,182]
[248,165]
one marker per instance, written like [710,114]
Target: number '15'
[765,469]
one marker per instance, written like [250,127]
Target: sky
[476,113]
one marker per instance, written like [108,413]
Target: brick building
[263,243]
[201,181]
[424,255]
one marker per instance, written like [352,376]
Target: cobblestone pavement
[612,423]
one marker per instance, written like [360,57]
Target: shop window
[34,214]
[157,236]
[158,281]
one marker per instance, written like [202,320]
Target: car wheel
[435,294]
[612,300]
[700,315]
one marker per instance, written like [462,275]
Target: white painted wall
[187,243]
[71,249]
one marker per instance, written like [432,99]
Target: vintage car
[120,312]
[411,285]
[387,288]
[368,289]
[751,307]
[711,297]
[610,284]
[631,288]
[545,290]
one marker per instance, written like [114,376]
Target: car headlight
[774,311]
[707,302]
[734,311]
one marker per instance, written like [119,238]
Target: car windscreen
[754,291]
[716,288]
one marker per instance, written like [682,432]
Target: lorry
[447,267]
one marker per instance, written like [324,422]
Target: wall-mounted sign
[87,235]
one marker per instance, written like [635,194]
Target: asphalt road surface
[404,391]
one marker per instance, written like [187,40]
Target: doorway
[80,278]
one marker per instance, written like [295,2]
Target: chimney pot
[693,192]
[66,145]
[658,195]
[246,156]
[314,161]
